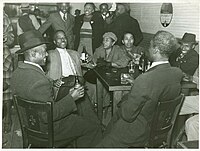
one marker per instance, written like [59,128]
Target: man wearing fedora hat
[30,82]
[26,21]
[186,58]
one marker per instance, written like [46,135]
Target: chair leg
[179,136]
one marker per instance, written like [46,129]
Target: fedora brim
[180,41]
[26,48]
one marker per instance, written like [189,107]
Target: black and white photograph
[100,74]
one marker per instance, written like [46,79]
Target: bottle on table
[142,62]
[84,55]
[131,67]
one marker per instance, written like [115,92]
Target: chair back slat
[164,120]
[36,121]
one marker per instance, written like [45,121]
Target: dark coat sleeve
[45,25]
[43,89]
[136,31]
[133,102]
[192,62]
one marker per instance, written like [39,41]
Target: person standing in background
[106,15]
[88,30]
[27,21]
[61,20]
[8,39]
[123,23]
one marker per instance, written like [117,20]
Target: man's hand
[77,93]
[57,83]
[101,62]
[130,79]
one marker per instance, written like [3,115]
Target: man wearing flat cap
[124,23]
[186,58]
[30,82]
[107,55]
[109,52]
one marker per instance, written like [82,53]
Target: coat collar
[165,65]
[30,66]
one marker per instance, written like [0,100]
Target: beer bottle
[142,62]
[84,55]
[77,83]
[131,67]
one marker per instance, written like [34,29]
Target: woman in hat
[186,58]
[8,39]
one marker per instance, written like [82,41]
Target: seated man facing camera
[186,58]
[30,82]
[63,62]
[130,124]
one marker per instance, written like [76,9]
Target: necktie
[65,17]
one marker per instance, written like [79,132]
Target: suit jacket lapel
[30,66]
[74,61]
[59,19]
[58,62]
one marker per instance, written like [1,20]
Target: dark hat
[188,38]
[30,39]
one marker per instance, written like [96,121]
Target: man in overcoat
[130,125]
[30,82]
[123,23]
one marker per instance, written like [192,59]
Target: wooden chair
[33,132]
[163,123]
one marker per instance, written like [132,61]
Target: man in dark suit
[61,20]
[123,23]
[30,82]
[130,125]
[186,58]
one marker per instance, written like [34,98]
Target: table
[187,86]
[110,79]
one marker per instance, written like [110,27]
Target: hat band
[33,42]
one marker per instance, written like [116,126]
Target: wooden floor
[14,138]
